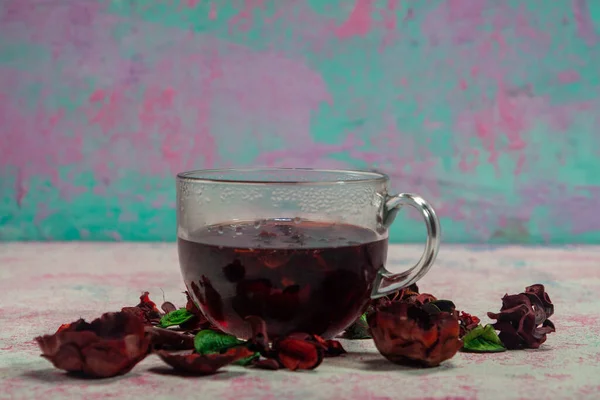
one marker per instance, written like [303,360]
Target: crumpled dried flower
[110,345]
[330,347]
[169,339]
[407,333]
[467,322]
[146,310]
[298,354]
[203,364]
[295,351]
[523,319]
[198,323]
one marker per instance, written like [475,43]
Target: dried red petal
[334,348]
[110,345]
[298,354]
[191,306]
[330,348]
[63,327]
[520,318]
[540,292]
[424,298]
[168,307]
[169,339]
[146,310]
[259,341]
[268,363]
[197,364]
[467,323]
[404,333]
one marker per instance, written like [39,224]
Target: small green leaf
[176,317]
[359,329]
[244,362]
[482,340]
[209,341]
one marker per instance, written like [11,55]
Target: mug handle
[386,282]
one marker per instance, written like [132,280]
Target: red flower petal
[267,363]
[298,354]
[168,307]
[467,323]
[334,349]
[331,348]
[194,363]
[259,341]
[169,339]
[146,310]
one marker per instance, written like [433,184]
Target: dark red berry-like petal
[197,364]
[298,354]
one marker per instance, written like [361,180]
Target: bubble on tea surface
[220,230]
[257,224]
[238,230]
[297,220]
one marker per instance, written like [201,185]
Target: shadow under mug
[304,249]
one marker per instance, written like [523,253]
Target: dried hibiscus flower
[169,339]
[331,348]
[146,310]
[408,333]
[467,322]
[298,354]
[295,351]
[203,364]
[108,346]
[523,319]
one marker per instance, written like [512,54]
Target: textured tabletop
[44,285]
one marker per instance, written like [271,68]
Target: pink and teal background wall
[488,108]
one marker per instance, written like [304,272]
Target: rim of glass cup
[203,175]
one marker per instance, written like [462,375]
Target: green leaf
[482,340]
[176,317]
[244,362]
[359,329]
[209,341]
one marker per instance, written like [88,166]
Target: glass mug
[304,249]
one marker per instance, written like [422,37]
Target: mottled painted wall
[489,108]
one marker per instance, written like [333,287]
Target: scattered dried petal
[198,364]
[168,339]
[298,354]
[405,333]
[330,348]
[146,310]
[168,307]
[467,323]
[110,345]
[334,348]
[268,363]
[259,341]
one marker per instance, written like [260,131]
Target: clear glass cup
[304,249]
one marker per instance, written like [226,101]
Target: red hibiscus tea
[297,275]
